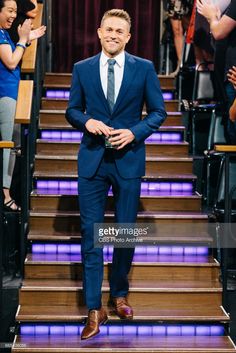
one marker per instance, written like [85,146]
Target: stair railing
[33,68]
[229,151]
[23,117]
[3,144]
[27,115]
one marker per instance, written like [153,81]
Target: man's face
[114,35]
[8,14]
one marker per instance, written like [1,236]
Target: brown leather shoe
[122,308]
[95,318]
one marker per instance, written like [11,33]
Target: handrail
[29,58]
[229,151]
[225,148]
[33,68]
[24,102]
[23,117]
[3,144]
[6,144]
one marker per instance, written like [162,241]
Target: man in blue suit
[106,101]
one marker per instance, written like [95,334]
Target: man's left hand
[121,138]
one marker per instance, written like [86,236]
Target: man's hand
[97,127]
[208,9]
[232,76]
[121,138]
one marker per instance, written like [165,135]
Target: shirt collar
[120,59]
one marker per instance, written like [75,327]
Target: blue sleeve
[3,38]
[155,107]
[75,112]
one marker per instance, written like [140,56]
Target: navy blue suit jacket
[140,84]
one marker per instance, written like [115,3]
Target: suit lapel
[96,80]
[128,76]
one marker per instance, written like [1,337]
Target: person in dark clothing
[224,27]
[179,12]
[232,79]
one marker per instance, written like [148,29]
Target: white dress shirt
[118,72]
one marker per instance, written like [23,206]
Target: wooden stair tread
[38,194]
[154,164]
[55,99]
[71,174]
[53,237]
[54,79]
[71,147]
[151,200]
[52,111]
[152,159]
[54,117]
[56,157]
[62,103]
[211,262]
[56,85]
[74,313]
[67,99]
[63,111]
[67,126]
[69,142]
[149,177]
[147,214]
[57,76]
[125,344]
[142,285]
[163,239]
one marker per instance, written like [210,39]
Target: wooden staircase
[176,295]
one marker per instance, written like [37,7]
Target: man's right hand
[97,127]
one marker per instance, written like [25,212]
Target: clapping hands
[231,75]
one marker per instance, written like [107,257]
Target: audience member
[203,46]
[232,111]
[179,13]
[26,9]
[10,56]
[198,34]
[223,27]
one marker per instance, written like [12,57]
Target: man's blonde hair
[117,13]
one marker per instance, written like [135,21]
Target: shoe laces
[121,302]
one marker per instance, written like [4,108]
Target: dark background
[75,23]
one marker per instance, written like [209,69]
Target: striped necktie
[111,83]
